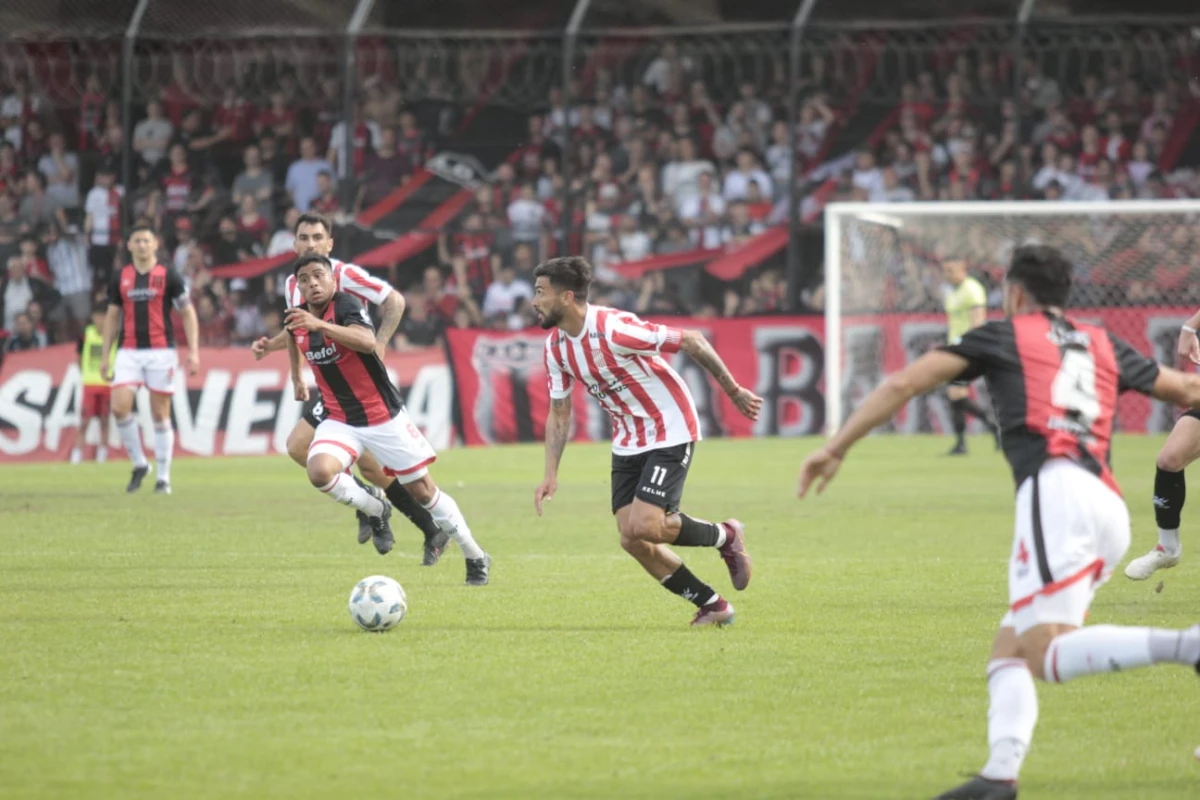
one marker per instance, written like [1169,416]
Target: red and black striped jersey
[145,300]
[1054,383]
[354,386]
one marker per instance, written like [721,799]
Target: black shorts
[314,410]
[1191,412]
[961,384]
[655,477]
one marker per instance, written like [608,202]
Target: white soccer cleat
[1143,567]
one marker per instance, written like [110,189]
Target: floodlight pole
[127,66]
[793,111]
[357,20]
[1023,15]
[570,40]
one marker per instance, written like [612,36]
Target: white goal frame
[891,214]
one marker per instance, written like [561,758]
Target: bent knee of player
[646,525]
[322,469]
[373,472]
[1174,457]
[122,402]
[423,490]
[1033,644]
[298,442]
[634,545]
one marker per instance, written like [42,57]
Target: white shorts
[398,446]
[153,368]
[1071,531]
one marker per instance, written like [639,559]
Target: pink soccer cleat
[734,554]
[719,613]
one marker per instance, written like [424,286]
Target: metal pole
[793,111]
[357,20]
[1023,15]
[570,39]
[131,32]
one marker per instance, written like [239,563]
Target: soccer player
[97,394]
[1181,448]
[965,301]
[363,411]
[314,236]
[617,358]
[140,297]
[1055,383]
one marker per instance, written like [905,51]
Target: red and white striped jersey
[351,279]
[618,359]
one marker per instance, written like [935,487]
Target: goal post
[1137,271]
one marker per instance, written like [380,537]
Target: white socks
[1110,648]
[1169,541]
[449,518]
[1012,715]
[131,437]
[164,446]
[343,489]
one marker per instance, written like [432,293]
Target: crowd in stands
[658,163]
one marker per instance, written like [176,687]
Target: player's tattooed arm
[390,312]
[696,346]
[558,430]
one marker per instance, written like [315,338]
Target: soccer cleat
[733,552]
[365,530]
[479,570]
[959,449]
[1143,567]
[434,547]
[980,788]
[135,479]
[381,531]
[719,613]
[162,487]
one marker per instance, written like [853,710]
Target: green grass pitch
[198,646]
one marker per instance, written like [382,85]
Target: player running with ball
[314,236]
[1055,383]
[617,358]
[363,411]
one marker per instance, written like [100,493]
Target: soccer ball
[378,604]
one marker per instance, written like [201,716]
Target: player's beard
[550,319]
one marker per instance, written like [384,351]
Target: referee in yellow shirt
[965,301]
[95,402]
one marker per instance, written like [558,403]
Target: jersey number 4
[1074,387]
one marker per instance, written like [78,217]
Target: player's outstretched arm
[696,346]
[558,430]
[390,312]
[923,375]
[299,387]
[263,345]
[1189,344]
[1180,388]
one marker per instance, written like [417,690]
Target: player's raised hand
[193,362]
[259,348]
[300,390]
[297,319]
[747,402]
[820,466]
[543,493]
[1189,346]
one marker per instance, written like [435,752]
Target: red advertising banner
[500,381]
[235,405]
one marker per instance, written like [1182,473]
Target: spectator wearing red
[384,170]
[91,113]
[440,304]
[327,201]
[177,182]
[178,97]
[758,205]
[365,134]
[234,117]
[279,120]
[474,246]
[1091,151]
[216,322]
[9,168]
[1116,145]
[34,142]
[252,226]
[911,102]
[411,142]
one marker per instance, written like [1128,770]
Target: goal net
[1137,271]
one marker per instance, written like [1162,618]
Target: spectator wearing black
[385,169]
[18,290]
[417,329]
[229,246]
[23,336]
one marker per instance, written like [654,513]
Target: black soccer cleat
[434,547]
[365,531]
[135,480]
[478,570]
[162,487]
[980,788]
[959,449]
[381,531]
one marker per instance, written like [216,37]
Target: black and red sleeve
[114,289]
[983,348]
[347,310]
[1136,372]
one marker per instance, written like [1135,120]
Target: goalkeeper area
[1137,272]
[198,646]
